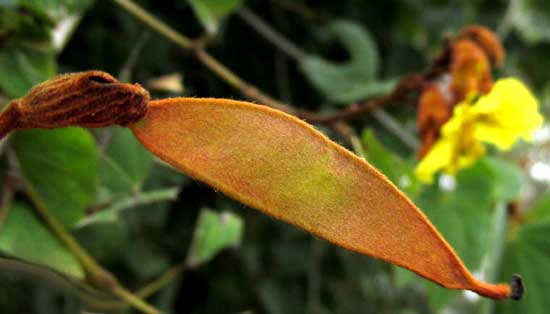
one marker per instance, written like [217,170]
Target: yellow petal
[469,157]
[494,134]
[455,124]
[437,158]
[514,92]
[508,112]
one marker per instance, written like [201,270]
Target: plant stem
[145,291]
[98,276]
[124,73]
[155,23]
[142,198]
[161,281]
[235,81]
[203,56]
[349,135]
[396,129]
[53,278]
[407,84]
[271,35]
[93,269]
[335,121]
[403,88]
[134,300]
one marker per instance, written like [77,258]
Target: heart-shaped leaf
[213,233]
[351,80]
[25,237]
[61,167]
[211,12]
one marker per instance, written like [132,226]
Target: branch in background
[154,286]
[407,85]
[245,88]
[396,129]
[271,35]
[156,24]
[161,281]
[203,56]
[124,73]
[139,199]
[52,278]
[96,274]
[349,135]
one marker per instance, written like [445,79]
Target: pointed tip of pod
[517,288]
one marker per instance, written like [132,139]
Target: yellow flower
[456,148]
[508,112]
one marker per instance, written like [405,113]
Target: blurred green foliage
[357,78]
[212,12]
[138,217]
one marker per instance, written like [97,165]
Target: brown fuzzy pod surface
[89,99]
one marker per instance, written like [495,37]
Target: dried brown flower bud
[89,99]
[487,40]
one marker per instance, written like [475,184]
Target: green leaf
[145,258]
[78,6]
[211,12]
[124,165]
[509,179]
[24,236]
[532,19]
[29,31]
[8,3]
[61,167]
[22,68]
[541,211]
[213,233]
[397,170]
[352,80]
[56,6]
[41,5]
[528,254]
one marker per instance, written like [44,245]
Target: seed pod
[282,166]
[89,99]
